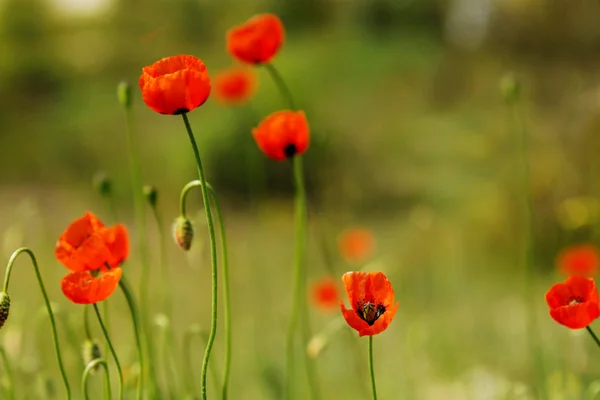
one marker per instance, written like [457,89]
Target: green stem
[371,369]
[593,335]
[86,323]
[213,257]
[9,373]
[298,305]
[192,331]
[112,350]
[140,216]
[165,284]
[86,373]
[9,267]
[527,255]
[281,86]
[225,272]
[106,316]
[136,327]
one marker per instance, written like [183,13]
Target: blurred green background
[411,138]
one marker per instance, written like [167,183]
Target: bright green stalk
[225,271]
[213,257]
[112,350]
[371,369]
[9,267]
[86,373]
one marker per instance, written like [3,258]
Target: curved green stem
[281,86]
[371,369]
[225,272]
[147,371]
[9,373]
[86,373]
[9,267]
[213,257]
[112,350]
[136,327]
[189,334]
[593,335]
[299,278]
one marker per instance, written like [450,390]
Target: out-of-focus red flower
[93,253]
[356,245]
[582,260]
[574,303]
[325,294]
[257,40]
[372,302]
[283,134]
[175,85]
[235,85]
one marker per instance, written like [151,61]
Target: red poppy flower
[93,253]
[175,85]
[235,85]
[325,294]
[257,40]
[283,134]
[574,303]
[372,300]
[582,260]
[356,245]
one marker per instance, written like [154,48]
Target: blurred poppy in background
[574,303]
[356,245]
[257,40]
[175,85]
[325,294]
[580,260]
[93,253]
[371,299]
[283,134]
[235,85]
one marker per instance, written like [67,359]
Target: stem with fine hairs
[86,373]
[112,350]
[213,257]
[9,268]
[225,272]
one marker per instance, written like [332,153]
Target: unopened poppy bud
[91,352]
[102,184]
[4,307]
[183,232]
[510,88]
[124,94]
[151,194]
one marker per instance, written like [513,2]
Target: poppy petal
[256,41]
[353,319]
[577,316]
[283,134]
[117,242]
[82,288]
[354,282]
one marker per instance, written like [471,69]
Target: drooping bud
[102,184]
[151,194]
[124,94]
[510,88]
[183,232]
[4,307]
[90,352]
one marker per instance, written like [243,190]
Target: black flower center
[575,300]
[290,150]
[369,312]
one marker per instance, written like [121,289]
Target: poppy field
[299,200]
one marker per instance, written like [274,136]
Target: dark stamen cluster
[369,311]
[575,300]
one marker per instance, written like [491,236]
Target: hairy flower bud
[91,352]
[183,232]
[124,94]
[151,194]
[102,184]
[4,307]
